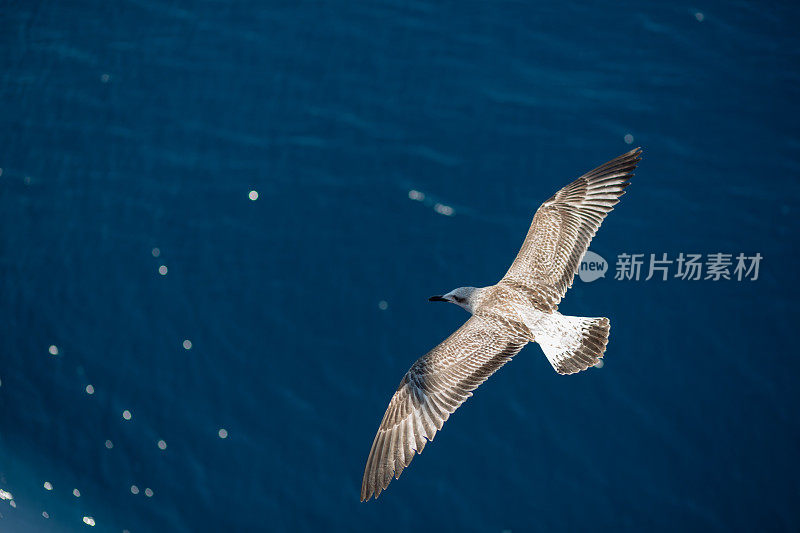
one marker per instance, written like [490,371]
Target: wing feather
[435,386]
[563,227]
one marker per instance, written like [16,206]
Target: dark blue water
[134,125]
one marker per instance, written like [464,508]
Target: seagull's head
[465,297]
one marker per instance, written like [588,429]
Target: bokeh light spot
[445,210]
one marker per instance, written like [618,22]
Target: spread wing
[563,227]
[435,386]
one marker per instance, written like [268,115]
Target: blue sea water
[142,124]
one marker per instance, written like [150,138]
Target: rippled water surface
[220,223]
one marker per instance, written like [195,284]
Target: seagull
[521,308]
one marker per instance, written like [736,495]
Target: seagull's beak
[437,299]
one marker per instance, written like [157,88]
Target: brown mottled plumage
[521,308]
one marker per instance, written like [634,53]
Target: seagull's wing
[435,386]
[563,227]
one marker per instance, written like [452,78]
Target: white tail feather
[572,343]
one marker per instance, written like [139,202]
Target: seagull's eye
[459,299]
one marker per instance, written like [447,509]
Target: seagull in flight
[521,308]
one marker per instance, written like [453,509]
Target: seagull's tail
[572,343]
